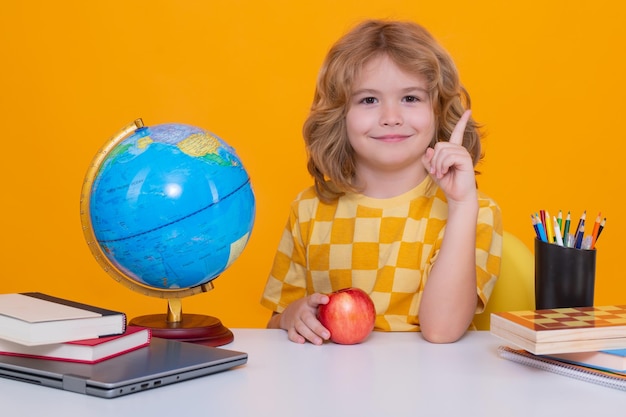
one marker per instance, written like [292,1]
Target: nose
[390,115]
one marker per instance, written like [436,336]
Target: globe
[165,210]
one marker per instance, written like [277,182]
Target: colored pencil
[601,228]
[557,233]
[534,222]
[594,233]
[542,231]
[549,228]
[566,228]
[581,222]
[579,236]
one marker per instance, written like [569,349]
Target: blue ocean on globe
[171,206]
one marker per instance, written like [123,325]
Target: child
[394,209]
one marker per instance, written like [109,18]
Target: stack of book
[46,327]
[587,343]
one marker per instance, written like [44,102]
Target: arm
[449,299]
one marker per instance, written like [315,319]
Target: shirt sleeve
[287,280]
[488,249]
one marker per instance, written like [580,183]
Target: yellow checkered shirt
[383,246]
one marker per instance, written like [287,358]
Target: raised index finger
[459,129]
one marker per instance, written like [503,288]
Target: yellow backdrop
[546,78]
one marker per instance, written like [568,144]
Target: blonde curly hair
[415,51]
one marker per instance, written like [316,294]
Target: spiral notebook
[595,376]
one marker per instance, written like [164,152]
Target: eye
[368,100]
[412,99]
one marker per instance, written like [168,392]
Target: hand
[300,320]
[450,165]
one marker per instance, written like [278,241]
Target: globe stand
[195,328]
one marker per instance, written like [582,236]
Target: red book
[85,351]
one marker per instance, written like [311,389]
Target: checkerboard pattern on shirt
[384,246]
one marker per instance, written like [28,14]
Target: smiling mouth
[391,138]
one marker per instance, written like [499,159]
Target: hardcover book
[84,351]
[35,319]
[563,330]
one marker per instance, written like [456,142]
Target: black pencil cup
[564,277]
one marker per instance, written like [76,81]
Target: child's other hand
[300,320]
[450,165]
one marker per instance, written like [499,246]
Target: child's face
[390,122]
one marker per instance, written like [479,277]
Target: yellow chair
[515,288]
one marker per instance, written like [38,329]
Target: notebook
[163,362]
[615,380]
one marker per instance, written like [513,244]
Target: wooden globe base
[195,328]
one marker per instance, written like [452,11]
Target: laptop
[163,362]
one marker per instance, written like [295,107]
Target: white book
[36,319]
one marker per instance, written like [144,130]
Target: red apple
[349,316]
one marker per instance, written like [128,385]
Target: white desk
[390,375]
